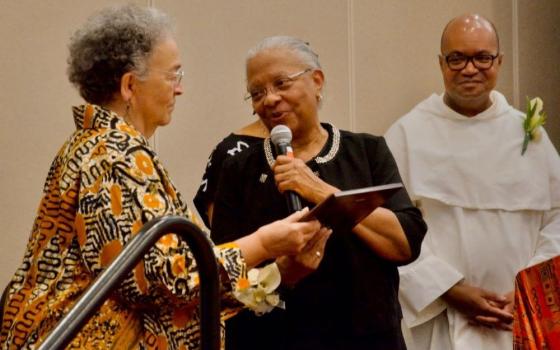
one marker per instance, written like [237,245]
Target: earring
[126,112]
[319,97]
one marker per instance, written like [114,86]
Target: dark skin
[297,108]
[468,93]
[482,307]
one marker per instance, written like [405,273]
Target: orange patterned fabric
[103,185]
[537,307]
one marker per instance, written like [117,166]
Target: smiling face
[467,91]
[295,105]
[153,99]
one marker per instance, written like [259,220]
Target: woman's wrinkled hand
[295,267]
[287,236]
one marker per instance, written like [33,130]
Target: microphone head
[281,134]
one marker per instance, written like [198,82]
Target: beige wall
[538,30]
[380,59]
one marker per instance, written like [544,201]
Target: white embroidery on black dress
[238,148]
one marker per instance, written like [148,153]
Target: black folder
[345,209]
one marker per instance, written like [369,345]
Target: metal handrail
[134,250]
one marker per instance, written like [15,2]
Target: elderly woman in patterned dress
[105,184]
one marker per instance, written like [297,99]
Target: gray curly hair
[112,42]
[298,46]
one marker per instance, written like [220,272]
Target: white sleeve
[421,285]
[426,279]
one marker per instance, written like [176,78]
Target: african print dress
[103,186]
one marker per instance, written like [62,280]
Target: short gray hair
[112,42]
[298,46]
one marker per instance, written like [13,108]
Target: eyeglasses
[279,85]
[458,62]
[177,75]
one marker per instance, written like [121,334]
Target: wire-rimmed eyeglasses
[482,61]
[257,94]
[177,75]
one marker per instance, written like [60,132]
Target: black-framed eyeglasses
[482,61]
[281,84]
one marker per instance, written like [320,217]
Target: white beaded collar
[335,145]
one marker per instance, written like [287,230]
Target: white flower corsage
[257,292]
[533,120]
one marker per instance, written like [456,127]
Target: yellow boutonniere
[534,118]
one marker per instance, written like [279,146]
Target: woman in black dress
[350,301]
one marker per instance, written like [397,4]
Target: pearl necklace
[319,160]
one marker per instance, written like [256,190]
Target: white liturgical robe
[490,213]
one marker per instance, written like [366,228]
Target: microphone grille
[281,134]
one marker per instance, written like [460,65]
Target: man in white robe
[490,210]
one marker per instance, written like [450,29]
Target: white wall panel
[396,47]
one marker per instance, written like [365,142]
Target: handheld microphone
[281,136]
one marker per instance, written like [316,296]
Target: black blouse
[353,295]
[230,146]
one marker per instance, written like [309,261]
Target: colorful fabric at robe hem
[537,307]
